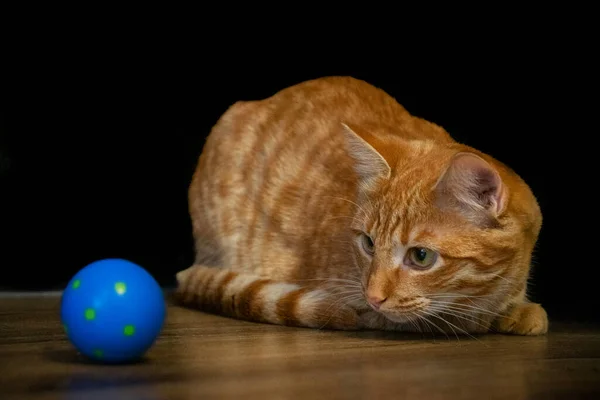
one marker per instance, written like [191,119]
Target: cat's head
[440,229]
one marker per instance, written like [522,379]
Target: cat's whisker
[487,299]
[485,307]
[351,291]
[460,318]
[420,325]
[336,288]
[442,319]
[469,313]
[345,296]
[450,324]
[461,315]
[467,307]
[429,322]
[458,295]
[489,307]
[354,282]
[414,323]
[512,282]
[345,300]
[349,281]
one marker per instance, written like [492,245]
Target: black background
[100,136]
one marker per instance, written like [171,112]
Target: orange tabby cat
[328,205]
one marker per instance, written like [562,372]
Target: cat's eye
[421,257]
[367,244]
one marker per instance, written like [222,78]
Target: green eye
[422,257]
[368,244]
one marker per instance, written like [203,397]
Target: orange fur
[316,207]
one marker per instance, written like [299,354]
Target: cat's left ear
[369,164]
[474,187]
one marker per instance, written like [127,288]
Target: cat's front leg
[259,299]
[528,319]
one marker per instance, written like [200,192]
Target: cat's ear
[472,186]
[368,163]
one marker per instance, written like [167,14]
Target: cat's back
[320,106]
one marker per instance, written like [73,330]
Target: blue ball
[113,311]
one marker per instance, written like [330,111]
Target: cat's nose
[376,301]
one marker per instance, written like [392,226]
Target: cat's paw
[528,319]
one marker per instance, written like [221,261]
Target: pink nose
[375,301]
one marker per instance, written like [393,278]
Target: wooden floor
[201,356]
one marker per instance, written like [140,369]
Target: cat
[329,206]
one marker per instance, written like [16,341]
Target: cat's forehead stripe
[397,217]
[421,235]
[405,234]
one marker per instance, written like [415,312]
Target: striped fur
[289,191]
[253,298]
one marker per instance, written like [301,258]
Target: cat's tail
[254,298]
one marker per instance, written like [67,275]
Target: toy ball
[113,311]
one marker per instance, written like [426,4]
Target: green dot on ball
[66,328]
[129,330]
[120,288]
[90,314]
[98,353]
[76,284]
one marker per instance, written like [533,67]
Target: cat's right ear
[473,187]
[369,164]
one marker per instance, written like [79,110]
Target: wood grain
[201,356]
